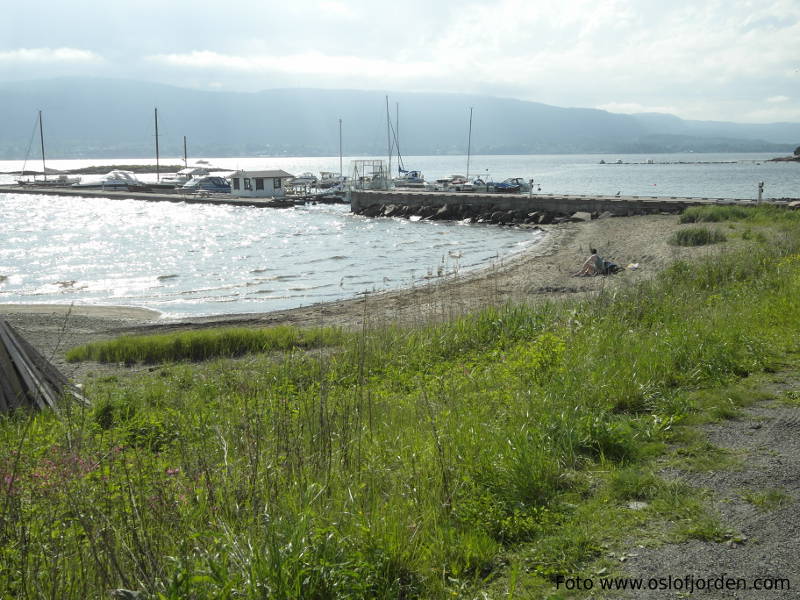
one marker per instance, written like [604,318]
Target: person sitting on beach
[592,266]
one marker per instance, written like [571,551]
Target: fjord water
[195,259]
[198,259]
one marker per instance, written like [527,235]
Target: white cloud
[50,55]
[778,99]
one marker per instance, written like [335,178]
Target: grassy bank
[204,344]
[496,451]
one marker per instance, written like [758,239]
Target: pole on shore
[185,162]
[341,173]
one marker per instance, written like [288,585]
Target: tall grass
[204,344]
[407,465]
[764,213]
[696,236]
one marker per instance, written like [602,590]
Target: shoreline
[543,271]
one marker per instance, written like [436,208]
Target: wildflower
[173,471]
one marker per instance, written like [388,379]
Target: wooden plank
[8,396]
[52,374]
[12,387]
[55,378]
[22,368]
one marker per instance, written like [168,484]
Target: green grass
[204,344]
[410,463]
[765,213]
[697,236]
[768,500]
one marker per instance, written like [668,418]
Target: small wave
[264,270]
[326,258]
[164,277]
[308,288]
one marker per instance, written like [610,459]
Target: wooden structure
[259,184]
[27,379]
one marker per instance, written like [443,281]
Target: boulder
[373,210]
[426,211]
[546,218]
[581,216]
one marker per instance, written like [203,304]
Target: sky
[731,60]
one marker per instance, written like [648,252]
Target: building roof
[270,173]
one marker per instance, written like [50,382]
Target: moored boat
[113,180]
[183,176]
[207,184]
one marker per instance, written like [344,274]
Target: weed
[767,500]
[697,236]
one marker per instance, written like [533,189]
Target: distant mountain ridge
[114,118]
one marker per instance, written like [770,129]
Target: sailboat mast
[341,173]
[41,139]
[185,162]
[158,169]
[469,141]
[389,140]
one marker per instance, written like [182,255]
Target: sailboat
[405,177]
[59,179]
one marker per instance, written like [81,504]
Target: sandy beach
[543,271]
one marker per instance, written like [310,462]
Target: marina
[201,254]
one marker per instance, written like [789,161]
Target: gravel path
[765,541]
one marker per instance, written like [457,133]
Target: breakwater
[516,208]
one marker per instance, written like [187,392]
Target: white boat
[328,179]
[113,180]
[183,176]
[305,179]
[410,179]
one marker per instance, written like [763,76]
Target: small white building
[259,184]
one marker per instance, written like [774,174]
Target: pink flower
[174,471]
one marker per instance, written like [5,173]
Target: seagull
[618,193]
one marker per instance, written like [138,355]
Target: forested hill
[114,118]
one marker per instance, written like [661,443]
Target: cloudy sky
[735,60]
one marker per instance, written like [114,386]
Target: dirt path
[757,502]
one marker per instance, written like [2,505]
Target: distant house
[259,184]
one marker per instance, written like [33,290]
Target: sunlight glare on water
[199,259]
